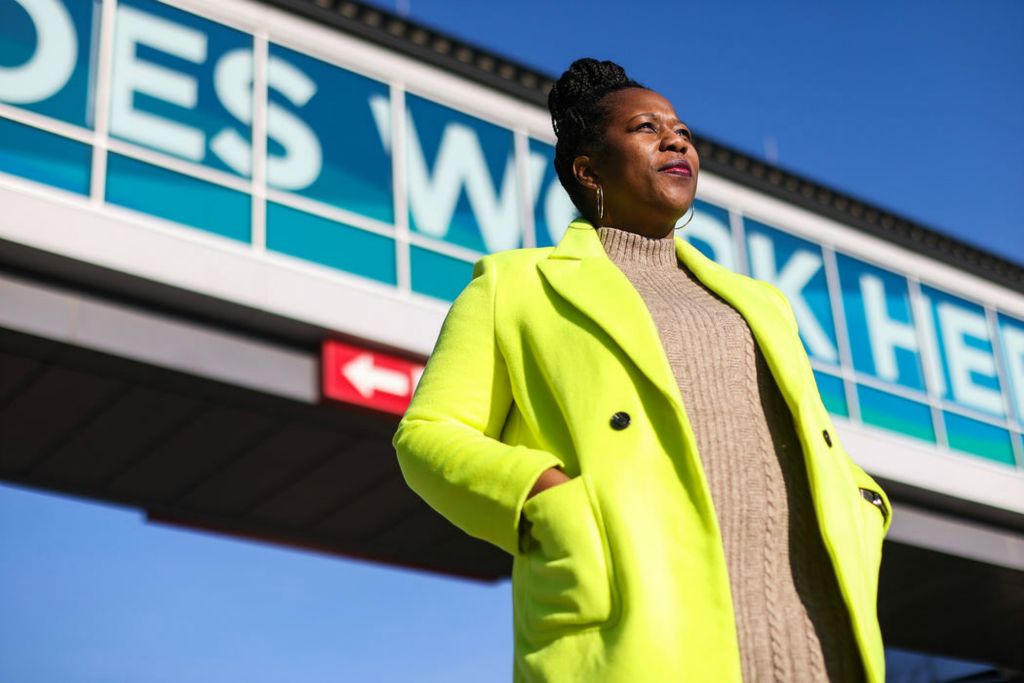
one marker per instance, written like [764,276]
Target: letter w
[460,163]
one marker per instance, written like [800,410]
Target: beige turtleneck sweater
[791,622]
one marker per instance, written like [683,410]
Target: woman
[640,429]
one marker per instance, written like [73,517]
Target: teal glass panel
[44,157]
[176,197]
[49,77]
[797,267]
[832,393]
[460,178]
[710,232]
[347,148]
[895,413]
[978,438]
[437,275]
[182,85]
[552,208]
[329,243]
[1011,341]
[967,364]
[882,333]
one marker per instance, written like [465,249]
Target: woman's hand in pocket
[548,478]
[562,579]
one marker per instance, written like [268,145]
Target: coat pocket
[562,580]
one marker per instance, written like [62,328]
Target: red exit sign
[368,378]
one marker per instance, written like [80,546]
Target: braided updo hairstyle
[578,116]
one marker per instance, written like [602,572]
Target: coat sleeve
[448,443]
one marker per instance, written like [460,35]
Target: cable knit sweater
[791,622]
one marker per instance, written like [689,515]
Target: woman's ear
[583,169]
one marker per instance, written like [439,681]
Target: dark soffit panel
[212,456]
[951,606]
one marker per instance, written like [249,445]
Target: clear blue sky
[915,106]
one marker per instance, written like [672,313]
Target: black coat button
[828,439]
[620,420]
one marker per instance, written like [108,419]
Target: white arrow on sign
[368,378]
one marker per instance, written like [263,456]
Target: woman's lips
[681,167]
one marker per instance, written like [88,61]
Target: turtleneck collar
[623,246]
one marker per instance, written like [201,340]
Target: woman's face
[647,164]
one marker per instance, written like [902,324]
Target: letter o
[50,66]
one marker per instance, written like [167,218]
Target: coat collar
[579,269]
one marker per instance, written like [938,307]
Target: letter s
[302,161]
[300,165]
[232,81]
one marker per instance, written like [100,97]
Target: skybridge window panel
[1011,338]
[895,413]
[461,179]
[438,275]
[885,342]
[45,54]
[833,394]
[552,208]
[978,438]
[329,134]
[326,242]
[44,157]
[797,267]
[964,370]
[182,85]
[710,231]
[176,197]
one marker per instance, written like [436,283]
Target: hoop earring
[692,212]
[600,204]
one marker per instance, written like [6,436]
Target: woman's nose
[675,141]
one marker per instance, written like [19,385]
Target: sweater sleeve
[448,443]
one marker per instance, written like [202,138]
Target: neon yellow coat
[621,575]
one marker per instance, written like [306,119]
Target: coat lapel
[581,272]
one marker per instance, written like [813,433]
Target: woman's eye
[683,131]
[646,123]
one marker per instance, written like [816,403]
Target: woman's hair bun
[585,82]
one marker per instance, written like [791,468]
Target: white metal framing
[524,183]
[101,101]
[403,267]
[929,364]
[839,317]
[258,149]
